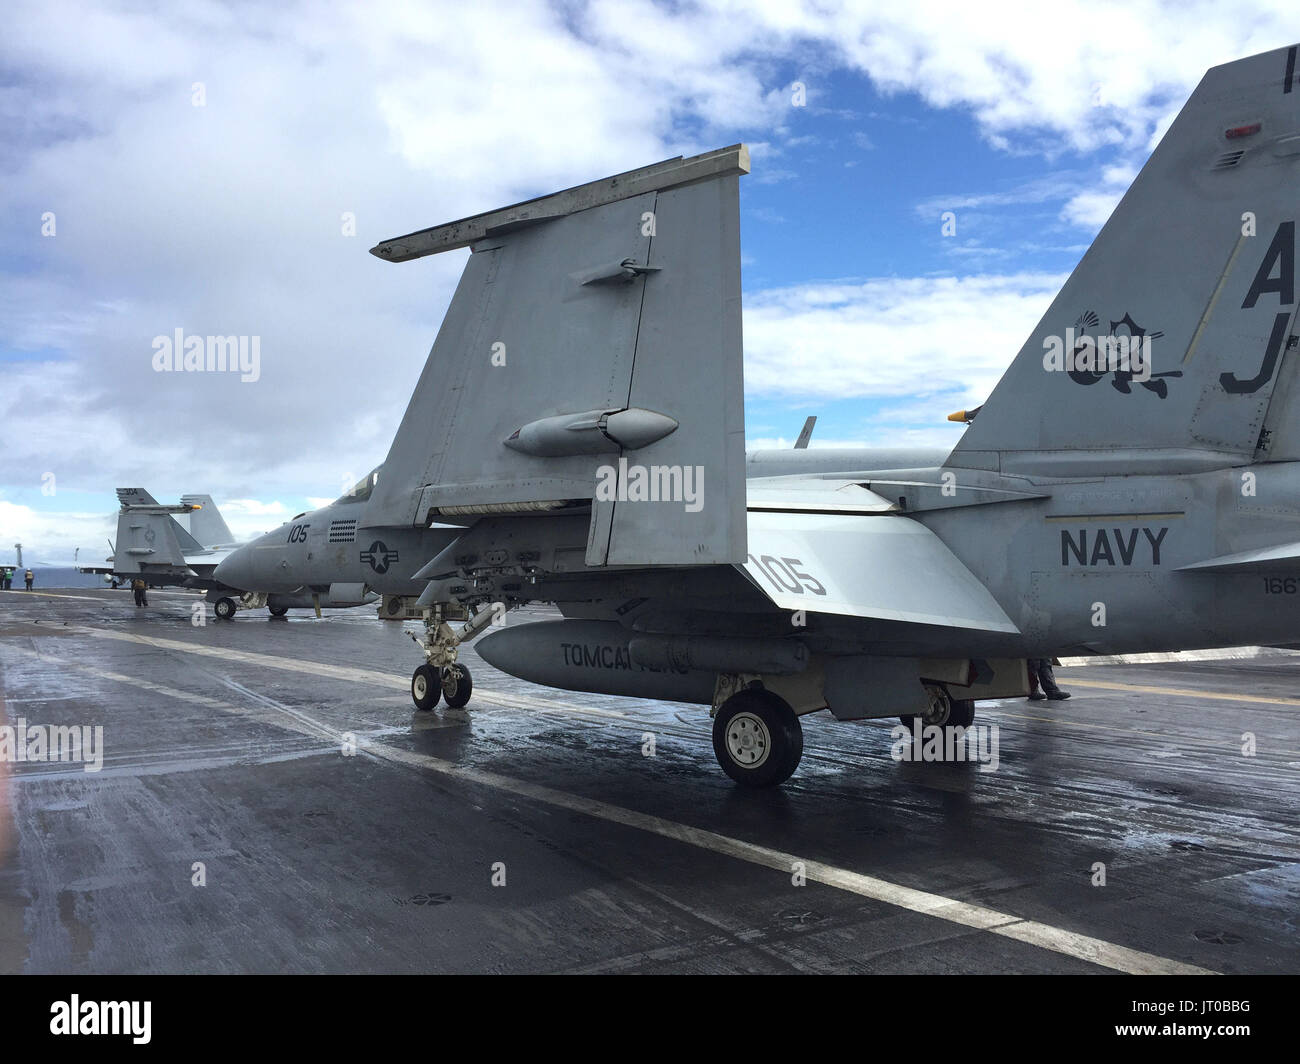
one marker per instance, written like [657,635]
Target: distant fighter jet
[153,545]
[1132,483]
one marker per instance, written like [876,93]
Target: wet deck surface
[225,745]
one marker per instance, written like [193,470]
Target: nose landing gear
[441,674]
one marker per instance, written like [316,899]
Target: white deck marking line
[967,914]
[50,594]
[272,715]
[337,672]
[1058,940]
[514,701]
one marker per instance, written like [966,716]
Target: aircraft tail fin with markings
[591,357]
[1171,345]
[135,497]
[148,535]
[150,542]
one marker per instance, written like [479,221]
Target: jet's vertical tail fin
[148,536]
[1172,341]
[148,542]
[591,357]
[206,523]
[805,434]
[185,540]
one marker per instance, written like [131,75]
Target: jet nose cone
[236,571]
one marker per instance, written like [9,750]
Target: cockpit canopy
[360,491]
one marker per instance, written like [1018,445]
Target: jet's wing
[881,566]
[592,349]
[815,495]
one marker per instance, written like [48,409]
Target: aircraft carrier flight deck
[264,798]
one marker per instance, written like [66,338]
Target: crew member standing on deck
[1040,673]
[29,576]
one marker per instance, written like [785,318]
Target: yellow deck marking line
[1170,737]
[1185,692]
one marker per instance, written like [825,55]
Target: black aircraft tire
[757,738]
[457,686]
[225,609]
[962,714]
[278,611]
[425,687]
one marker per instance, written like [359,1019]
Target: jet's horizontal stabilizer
[592,359]
[802,494]
[886,567]
[1283,558]
[657,177]
[135,497]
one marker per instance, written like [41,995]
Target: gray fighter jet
[330,553]
[153,545]
[1131,484]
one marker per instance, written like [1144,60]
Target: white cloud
[891,337]
[54,538]
[253,508]
[1090,209]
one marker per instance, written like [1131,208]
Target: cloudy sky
[194,166]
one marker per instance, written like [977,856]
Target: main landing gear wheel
[425,687]
[945,712]
[757,738]
[962,714]
[225,608]
[457,685]
[278,611]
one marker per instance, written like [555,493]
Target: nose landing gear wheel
[225,608]
[457,684]
[278,611]
[757,738]
[425,688]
